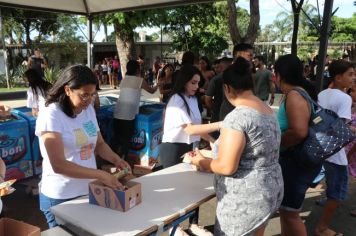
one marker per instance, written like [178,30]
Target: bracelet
[2,178]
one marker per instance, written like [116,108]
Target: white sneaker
[199,230]
[179,232]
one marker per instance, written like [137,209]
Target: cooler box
[105,116]
[107,100]
[145,143]
[15,148]
[26,113]
[105,121]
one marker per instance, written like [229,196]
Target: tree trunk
[351,52]
[296,7]
[125,45]
[254,23]
[26,25]
[234,31]
[105,31]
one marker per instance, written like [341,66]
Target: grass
[13,89]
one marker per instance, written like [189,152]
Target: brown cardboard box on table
[13,227]
[121,200]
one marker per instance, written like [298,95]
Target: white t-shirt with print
[79,136]
[340,103]
[177,115]
[34,101]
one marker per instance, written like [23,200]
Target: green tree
[343,29]
[193,28]
[43,22]
[67,32]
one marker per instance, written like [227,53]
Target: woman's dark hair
[132,67]
[163,73]
[185,74]
[75,77]
[339,67]
[208,64]
[36,82]
[239,75]
[291,71]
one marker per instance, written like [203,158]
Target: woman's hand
[110,180]
[195,157]
[121,164]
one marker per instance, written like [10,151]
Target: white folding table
[167,196]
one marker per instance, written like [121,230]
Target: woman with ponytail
[293,117]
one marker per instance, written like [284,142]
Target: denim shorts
[297,179]
[45,204]
[336,181]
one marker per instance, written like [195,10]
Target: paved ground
[23,206]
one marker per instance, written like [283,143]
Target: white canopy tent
[93,7]
[90,8]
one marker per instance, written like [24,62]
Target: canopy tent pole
[325,28]
[90,41]
[4,50]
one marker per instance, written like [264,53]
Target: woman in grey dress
[248,180]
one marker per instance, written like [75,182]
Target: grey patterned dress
[247,198]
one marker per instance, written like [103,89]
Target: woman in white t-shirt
[69,136]
[182,123]
[37,90]
[183,128]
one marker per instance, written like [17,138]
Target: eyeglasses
[85,97]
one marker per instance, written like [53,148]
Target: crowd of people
[256,169]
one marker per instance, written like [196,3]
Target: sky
[269,10]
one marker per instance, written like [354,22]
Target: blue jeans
[45,204]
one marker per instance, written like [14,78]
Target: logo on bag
[12,149]
[138,141]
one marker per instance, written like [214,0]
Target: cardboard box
[13,227]
[121,200]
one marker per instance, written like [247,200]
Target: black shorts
[170,153]
[297,179]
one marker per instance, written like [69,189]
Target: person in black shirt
[240,50]
[37,62]
[214,94]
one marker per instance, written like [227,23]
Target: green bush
[52,74]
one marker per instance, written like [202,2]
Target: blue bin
[26,113]
[15,148]
[145,143]
[105,121]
